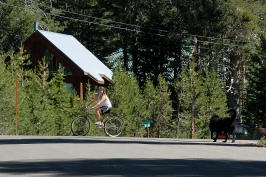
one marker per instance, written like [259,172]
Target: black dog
[226,125]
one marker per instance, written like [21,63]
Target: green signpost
[147,124]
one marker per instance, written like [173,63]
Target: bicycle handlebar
[89,108]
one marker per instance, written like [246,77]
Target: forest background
[175,62]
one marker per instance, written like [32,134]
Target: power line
[91,22]
[128,29]
[212,38]
[101,24]
[107,20]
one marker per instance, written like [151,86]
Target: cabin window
[54,64]
[69,87]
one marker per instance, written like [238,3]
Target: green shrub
[262,141]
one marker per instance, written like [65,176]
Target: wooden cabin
[79,64]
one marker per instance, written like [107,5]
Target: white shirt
[106,102]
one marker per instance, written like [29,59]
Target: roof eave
[107,78]
[93,78]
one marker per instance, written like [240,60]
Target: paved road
[30,156]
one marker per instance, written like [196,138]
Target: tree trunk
[193,127]
[234,96]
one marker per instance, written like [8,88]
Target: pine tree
[49,107]
[160,108]
[149,93]
[255,107]
[18,17]
[128,102]
[189,88]
[212,100]
[7,99]
[35,120]
[200,96]
[14,66]
[60,101]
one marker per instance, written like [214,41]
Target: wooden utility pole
[193,127]
[16,105]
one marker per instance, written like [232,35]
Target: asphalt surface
[32,156]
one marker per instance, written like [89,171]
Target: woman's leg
[98,114]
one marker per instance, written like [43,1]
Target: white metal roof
[81,56]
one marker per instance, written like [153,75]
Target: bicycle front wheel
[80,126]
[113,126]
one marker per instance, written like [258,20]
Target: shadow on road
[131,167]
[118,167]
[82,140]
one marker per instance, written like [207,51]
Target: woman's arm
[100,102]
[92,100]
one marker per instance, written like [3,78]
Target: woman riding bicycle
[102,106]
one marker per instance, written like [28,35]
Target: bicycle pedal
[100,127]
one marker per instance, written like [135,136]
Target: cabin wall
[37,45]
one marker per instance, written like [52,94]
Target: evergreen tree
[212,100]
[90,22]
[49,106]
[16,65]
[7,99]
[18,17]
[243,24]
[149,93]
[60,101]
[160,108]
[128,102]
[35,120]
[189,88]
[200,95]
[255,105]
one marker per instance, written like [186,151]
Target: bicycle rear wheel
[80,126]
[113,126]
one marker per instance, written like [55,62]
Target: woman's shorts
[105,109]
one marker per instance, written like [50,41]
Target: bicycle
[113,126]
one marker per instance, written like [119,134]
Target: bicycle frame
[113,126]
[89,115]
